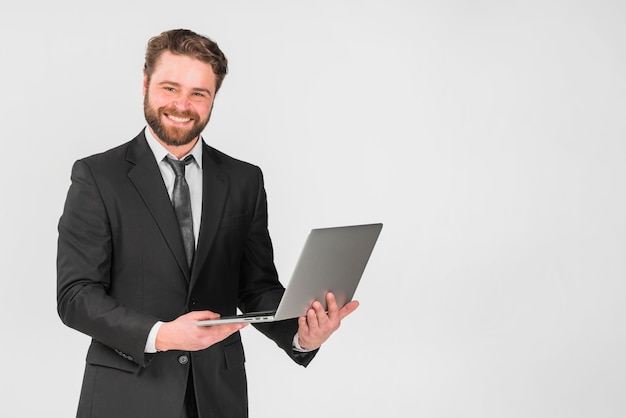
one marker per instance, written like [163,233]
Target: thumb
[348,309]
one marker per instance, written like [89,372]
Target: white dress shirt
[193,175]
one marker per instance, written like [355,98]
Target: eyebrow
[195,89]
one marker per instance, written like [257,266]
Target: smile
[178,119]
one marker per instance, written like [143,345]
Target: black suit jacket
[121,267]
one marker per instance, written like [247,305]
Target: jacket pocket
[102,355]
[234,355]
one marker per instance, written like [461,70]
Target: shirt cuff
[296,345]
[151,343]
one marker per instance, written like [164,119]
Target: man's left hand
[318,325]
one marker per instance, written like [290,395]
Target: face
[178,98]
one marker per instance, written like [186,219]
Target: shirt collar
[160,152]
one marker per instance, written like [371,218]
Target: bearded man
[164,231]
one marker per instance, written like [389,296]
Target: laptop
[332,259]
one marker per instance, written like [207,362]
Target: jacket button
[183,359]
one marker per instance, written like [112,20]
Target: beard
[171,135]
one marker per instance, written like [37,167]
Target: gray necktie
[182,204]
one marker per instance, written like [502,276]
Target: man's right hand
[183,334]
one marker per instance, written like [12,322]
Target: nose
[181,103]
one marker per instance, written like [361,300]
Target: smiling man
[164,231]
[182,90]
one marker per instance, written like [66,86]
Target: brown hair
[189,43]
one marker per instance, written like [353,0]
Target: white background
[488,137]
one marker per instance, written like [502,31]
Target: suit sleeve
[260,288]
[84,273]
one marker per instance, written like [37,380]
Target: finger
[320,313]
[236,327]
[318,307]
[223,331]
[331,303]
[311,319]
[219,333]
[303,324]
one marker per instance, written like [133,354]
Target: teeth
[177,119]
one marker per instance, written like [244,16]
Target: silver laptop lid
[333,259]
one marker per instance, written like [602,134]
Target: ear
[145,83]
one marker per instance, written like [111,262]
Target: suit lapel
[214,188]
[146,177]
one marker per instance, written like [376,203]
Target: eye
[170,89]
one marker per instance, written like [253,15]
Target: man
[146,249]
